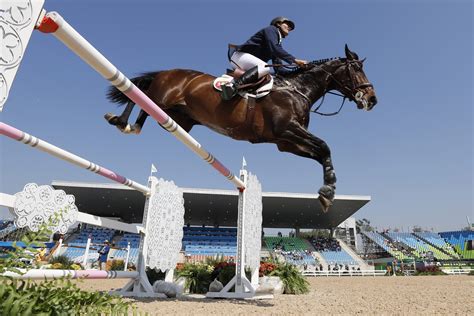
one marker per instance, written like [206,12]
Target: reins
[342,86]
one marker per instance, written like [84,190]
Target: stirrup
[228,91]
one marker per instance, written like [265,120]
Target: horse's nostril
[373,100]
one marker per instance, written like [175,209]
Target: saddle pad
[261,92]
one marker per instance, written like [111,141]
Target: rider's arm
[272,37]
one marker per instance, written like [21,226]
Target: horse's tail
[143,82]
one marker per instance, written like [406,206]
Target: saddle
[256,90]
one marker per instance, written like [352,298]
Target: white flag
[244,163]
[153,169]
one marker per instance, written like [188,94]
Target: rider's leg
[254,69]
[246,61]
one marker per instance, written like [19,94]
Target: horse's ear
[350,55]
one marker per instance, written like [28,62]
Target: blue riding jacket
[266,45]
[103,253]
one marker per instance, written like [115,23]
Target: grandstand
[462,241]
[292,250]
[203,238]
[210,241]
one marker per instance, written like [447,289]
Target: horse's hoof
[111,118]
[135,130]
[127,129]
[325,203]
[326,196]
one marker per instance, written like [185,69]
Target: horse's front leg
[121,122]
[302,143]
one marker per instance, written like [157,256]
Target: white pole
[240,263]
[74,274]
[169,275]
[127,257]
[65,155]
[86,253]
[58,249]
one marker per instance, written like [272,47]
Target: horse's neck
[315,82]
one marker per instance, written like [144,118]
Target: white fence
[457,271]
[344,273]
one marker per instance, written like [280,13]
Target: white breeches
[245,61]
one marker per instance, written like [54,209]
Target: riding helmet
[281,19]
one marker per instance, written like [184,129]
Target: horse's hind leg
[137,127]
[121,122]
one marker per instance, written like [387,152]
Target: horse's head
[353,83]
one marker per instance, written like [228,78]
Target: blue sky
[413,153]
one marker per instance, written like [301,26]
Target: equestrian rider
[254,54]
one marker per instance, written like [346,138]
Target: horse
[281,117]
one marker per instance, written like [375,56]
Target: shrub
[116,265]
[430,270]
[76,266]
[55,297]
[65,262]
[224,272]
[293,281]
[198,277]
[266,268]
[57,265]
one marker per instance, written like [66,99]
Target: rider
[260,48]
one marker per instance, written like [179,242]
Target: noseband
[355,93]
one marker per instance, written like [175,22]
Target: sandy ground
[423,295]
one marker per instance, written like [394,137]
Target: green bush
[293,281]
[225,271]
[65,262]
[430,270]
[55,297]
[117,265]
[197,276]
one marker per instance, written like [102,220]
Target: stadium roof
[215,207]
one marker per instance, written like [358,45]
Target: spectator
[103,253]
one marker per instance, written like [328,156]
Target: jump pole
[41,274]
[62,154]
[54,23]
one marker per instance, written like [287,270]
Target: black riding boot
[230,89]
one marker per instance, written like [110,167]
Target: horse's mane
[297,70]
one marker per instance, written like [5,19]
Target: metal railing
[344,273]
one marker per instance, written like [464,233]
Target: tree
[364,225]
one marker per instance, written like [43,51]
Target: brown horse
[282,117]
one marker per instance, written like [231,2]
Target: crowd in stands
[325,244]
[398,246]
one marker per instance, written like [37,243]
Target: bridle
[353,93]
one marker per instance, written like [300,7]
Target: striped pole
[54,23]
[37,143]
[73,274]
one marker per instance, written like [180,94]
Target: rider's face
[285,29]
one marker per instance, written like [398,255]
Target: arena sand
[422,295]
